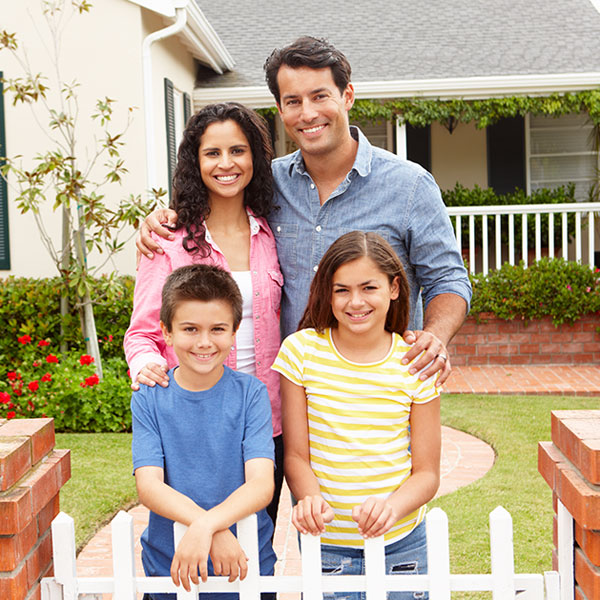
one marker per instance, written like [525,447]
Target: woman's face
[225,160]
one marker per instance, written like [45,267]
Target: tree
[69,176]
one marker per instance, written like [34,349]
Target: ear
[166,334]
[348,96]
[394,289]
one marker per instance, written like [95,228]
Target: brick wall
[495,341]
[570,464]
[31,475]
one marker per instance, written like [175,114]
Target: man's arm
[444,316]
[154,222]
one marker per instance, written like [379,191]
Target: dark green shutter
[506,155]
[4,238]
[187,108]
[170,123]
[418,145]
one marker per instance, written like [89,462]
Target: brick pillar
[31,475]
[570,464]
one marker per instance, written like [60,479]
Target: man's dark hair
[199,282]
[311,52]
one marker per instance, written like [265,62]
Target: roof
[401,41]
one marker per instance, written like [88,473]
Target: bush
[31,307]
[461,196]
[550,287]
[43,383]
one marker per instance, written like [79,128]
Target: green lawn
[101,481]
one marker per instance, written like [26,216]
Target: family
[345,252]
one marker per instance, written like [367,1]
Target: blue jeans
[407,556]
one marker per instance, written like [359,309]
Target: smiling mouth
[359,316]
[204,357]
[226,178]
[313,129]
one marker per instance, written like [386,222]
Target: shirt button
[318,228]
[257,317]
[312,186]
[278,227]
[258,340]
[258,364]
[315,268]
[257,294]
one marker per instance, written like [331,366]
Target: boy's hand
[191,554]
[310,515]
[227,556]
[375,516]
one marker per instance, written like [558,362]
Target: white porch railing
[503,582]
[504,216]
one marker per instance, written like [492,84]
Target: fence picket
[565,552]
[123,556]
[247,531]
[438,555]
[375,568]
[502,556]
[63,551]
[312,588]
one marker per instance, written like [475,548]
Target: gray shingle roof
[402,40]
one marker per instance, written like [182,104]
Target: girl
[362,435]
[222,190]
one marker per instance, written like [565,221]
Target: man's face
[314,112]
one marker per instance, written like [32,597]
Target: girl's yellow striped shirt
[358,421]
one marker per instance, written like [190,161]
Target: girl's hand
[227,556]
[191,554]
[151,374]
[310,515]
[375,516]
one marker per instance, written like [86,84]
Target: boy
[202,447]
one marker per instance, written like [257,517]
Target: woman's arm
[375,516]
[311,512]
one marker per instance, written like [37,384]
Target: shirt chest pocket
[286,236]
[275,282]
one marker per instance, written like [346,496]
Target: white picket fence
[503,582]
[480,256]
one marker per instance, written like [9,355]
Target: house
[439,50]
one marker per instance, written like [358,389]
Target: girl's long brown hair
[352,246]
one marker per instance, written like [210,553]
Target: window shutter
[170,124]
[506,155]
[4,238]
[418,145]
[187,108]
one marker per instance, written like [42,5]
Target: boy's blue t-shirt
[201,440]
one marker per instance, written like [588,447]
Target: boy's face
[201,335]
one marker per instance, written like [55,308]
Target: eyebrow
[186,323]
[230,147]
[311,92]
[363,283]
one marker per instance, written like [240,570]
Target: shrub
[45,383]
[551,287]
[31,306]
[461,196]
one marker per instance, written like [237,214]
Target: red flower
[30,405]
[92,380]
[51,358]
[24,339]
[36,363]
[11,375]
[86,359]
[82,384]
[110,337]
[17,391]
[11,414]
[46,377]
[4,398]
[11,405]
[43,343]
[34,386]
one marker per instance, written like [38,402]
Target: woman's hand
[310,515]
[154,222]
[375,516]
[150,375]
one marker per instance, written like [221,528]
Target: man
[337,182]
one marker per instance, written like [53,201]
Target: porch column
[401,140]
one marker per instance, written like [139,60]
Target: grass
[102,483]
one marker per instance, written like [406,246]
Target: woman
[222,191]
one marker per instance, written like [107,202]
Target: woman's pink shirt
[144,342]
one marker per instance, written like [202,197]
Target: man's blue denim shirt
[383,193]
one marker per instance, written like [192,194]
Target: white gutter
[181,16]
[469,88]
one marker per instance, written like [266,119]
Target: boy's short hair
[311,52]
[199,282]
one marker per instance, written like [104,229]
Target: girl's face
[225,160]
[361,296]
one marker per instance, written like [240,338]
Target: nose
[356,298]
[203,339]
[309,113]
[225,162]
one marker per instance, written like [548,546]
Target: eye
[291,102]
[339,290]
[211,153]
[238,151]
[218,329]
[189,329]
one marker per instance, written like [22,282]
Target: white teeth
[313,129]
[226,177]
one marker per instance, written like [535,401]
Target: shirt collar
[362,162]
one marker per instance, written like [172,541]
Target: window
[4,239]
[561,150]
[178,109]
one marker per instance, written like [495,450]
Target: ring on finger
[442,356]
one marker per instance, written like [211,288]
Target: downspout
[181,16]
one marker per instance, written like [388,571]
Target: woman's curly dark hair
[190,197]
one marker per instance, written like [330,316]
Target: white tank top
[246,356]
